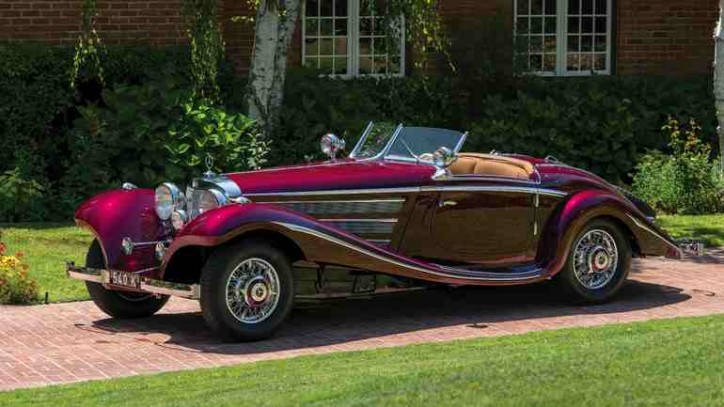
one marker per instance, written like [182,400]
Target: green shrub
[685,182]
[20,197]
[231,139]
[592,130]
[16,286]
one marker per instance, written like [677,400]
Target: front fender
[120,213]
[575,212]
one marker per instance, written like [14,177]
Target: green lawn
[707,228]
[46,247]
[662,363]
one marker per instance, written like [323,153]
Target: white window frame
[562,40]
[353,43]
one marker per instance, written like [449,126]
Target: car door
[485,221]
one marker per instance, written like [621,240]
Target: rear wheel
[247,290]
[119,304]
[598,263]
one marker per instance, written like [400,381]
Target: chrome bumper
[148,285]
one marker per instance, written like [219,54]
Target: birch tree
[719,78]
[276,21]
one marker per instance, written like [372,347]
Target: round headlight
[211,199]
[168,197]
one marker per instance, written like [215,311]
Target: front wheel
[598,263]
[247,290]
[119,304]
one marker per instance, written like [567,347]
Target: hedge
[600,123]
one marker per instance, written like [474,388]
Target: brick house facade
[568,36]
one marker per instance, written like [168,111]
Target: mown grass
[706,228]
[659,363]
[45,248]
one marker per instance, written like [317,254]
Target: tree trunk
[719,78]
[276,21]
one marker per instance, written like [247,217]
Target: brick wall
[652,36]
[665,36]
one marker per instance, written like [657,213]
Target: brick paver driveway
[60,343]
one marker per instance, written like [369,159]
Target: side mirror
[442,158]
[331,145]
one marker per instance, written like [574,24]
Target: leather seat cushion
[491,165]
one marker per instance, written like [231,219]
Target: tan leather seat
[492,165]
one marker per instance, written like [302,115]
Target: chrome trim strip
[460,143]
[505,277]
[462,188]
[373,220]
[379,241]
[338,201]
[405,190]
[653,232]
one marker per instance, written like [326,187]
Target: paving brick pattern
[51,344]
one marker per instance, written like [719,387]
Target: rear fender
[114,215]
[579,209]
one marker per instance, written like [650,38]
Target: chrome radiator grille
[193,202]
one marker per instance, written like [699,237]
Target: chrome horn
[331,145]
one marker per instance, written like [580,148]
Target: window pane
[522,26]
[586,43]
[326,46]
[340,8]
[586,62]
[587,7]
[550,25]
[550,7]
[310,62]
[340,26]
[574,62]
[574,7]
[601,7]
[586,25]
[535,43]
[325,26]
[574,43]
[522,7]
[600,43]
[311,46]
[599,62]
[601,25]
[365,46]
[365,65]
[550,44]
[340,46]
[325,65]
[326,8]
[549,63]
[340,66]
[536,6]
[536,25]
[311,26]
[312,7]
[536,62]
[574,26]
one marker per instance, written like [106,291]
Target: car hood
[342,174]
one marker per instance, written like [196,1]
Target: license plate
[125,279]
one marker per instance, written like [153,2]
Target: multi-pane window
[564,37]
[342,37]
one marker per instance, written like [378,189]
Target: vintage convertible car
[404,210]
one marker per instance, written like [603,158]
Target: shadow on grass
[336,322]
[36,225]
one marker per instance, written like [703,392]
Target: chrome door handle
[442,204]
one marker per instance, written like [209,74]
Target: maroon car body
[399,218]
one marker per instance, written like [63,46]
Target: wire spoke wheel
[252,291]
[595,259]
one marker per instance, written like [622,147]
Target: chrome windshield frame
[384,152]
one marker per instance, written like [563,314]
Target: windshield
[405,143]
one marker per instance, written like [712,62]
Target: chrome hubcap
[252,291]
[595,259]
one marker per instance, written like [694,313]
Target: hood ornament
[209,161]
